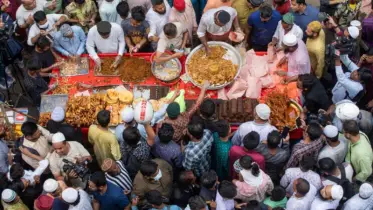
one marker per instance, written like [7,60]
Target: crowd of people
[190,159]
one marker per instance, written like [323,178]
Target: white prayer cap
[50,185]
[58,137]
[366,190]
[8,195]
[263,111]
[330,131]
[290,40]
[127,114]
[70,195]
[337,192]
[347,111]
[58,114]
[353,31]
[356,23]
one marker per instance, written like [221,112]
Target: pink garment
[271,54]
[247,192]
[187,18]
[212,4]
[238,89]
[299,61]
[254,87]
[267,81]
[366,6]
[258,65]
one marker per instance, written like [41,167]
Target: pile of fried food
[73,67]
[63,87]
[213,68]
[134,69]
[44,118]
[282,112]
[107,69]
[82,110]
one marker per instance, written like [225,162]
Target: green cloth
[274,204]
[360,155]
[220,156]
[173,110]
[288,18]
[57,10]
[180,99]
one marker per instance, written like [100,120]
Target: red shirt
[283,8]
[236,152]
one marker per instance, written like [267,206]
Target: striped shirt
[122,180]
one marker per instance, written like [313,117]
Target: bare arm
[185,39]
[150,133]
[199,100]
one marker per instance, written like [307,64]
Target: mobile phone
[285,132]
[298,122]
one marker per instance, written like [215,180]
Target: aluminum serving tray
[83,68]
[161,70]
[232,54]
[49,102]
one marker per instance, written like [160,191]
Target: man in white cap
[127,115]
[328,198]
[361,201]
[77,199]
[359,153]
[297,58]
[336,147]
[10,200]
[71,151]
[260,125]
[53,189]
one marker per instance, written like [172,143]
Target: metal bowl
[231,53]
[161,69]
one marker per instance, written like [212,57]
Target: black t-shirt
[316,98]
[46,58]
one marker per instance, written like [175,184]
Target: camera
[343,44]
[79,169]
[320,118]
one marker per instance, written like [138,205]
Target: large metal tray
[231,54]
[49,102]
[82,68]
[160,71]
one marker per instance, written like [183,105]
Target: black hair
[265,11]
[17,186]
[223,128]
[98,178]
[327,165]
[154,197]
[251,140]
[302,186]
[301,2]
[170,29]
[157,2]
[314,131]
[278,208]
[43,42]
[123,9]
[34,64]
[131,136]
[148,168]
[306,163]
[166,133]
[39,16]
[273,139]
[29,128]
[103,118]
[227,189]
[246,162]
[196,129]
[138,13]
[365,75]
[196,203]
[184,179]
[252,205]
[208,179]
[207,108]
[333,139]
[16,171]
[308,80]
[278,193]
[351,127]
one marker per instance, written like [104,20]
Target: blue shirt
[3,156]
[169,152]
[303,19]
[262,32]
[73,46]
[58,204]
[113,198]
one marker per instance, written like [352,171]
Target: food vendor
[174,37]
[216,24]
[157,17]
[297,59]
[107,38]
[70,40]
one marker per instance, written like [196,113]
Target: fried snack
[106,68]
[125,97]
[213,68]
[63,87]
[44,118]
[134,70]
[278,103]
[71,67]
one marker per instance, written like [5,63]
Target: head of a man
[227,190]
[350,129]
[166,133]
[59,144]
[159,6]
[197,203]
[207,108]
[52,187]
[351,32]
[287,21]
[16,172]
[307,163]
[131,136]
[305,82]
[327,166]
[173,110]
[103,118]
[67,31]
[273,139]
[30,131]
[154,197]
[97,182]
[180,5]
[251,140]
[195,130]
[331,192]
[80,2]
[312,132]
[111,167]
[150,170]
[209,180]
[252,4]
[362,75]
[29,4]
[278,194]
[33,66]
[104,29]
[298,6]
[331,133]
[137,15]
[313,29]
[262,113]
[265,13]
[123,9]
[40,18]
[9,197]
[43,44]
[170,30]
[301,187]
[221,18]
